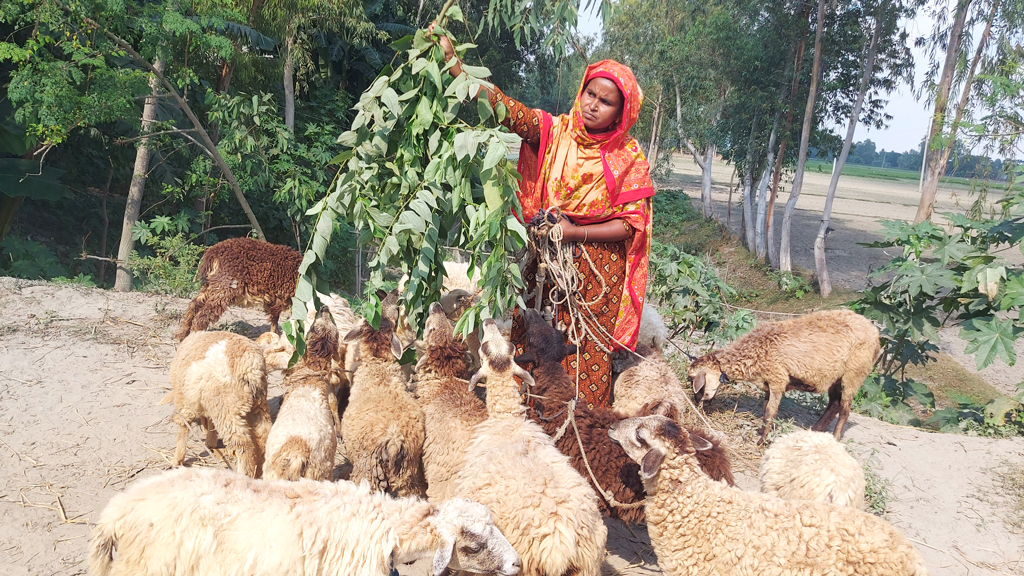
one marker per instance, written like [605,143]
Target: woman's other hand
[446,45]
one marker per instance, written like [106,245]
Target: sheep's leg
[850,385]
[274,310]
[240,440]
[834,398]
[211,432]
[185,328]
[220,295]
[771,408]
[179,450]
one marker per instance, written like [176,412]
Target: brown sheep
[614,470]
[243,272]
[826,351]
[219,380]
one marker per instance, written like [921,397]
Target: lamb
[651,379]
[699,526]
[244,272]
[806,465]
[383,427]
[826,351]
[304,437]
[450,410]
[206,522]
[540,502]
[219,380]
[616,473]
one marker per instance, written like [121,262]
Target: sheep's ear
[700,443]
[524,376]
[525,357]
[698,382]
[475,380]
[355,333]
[571,349]
[651,463]
[421,361]
[485,350]
[396,346]
[443,557]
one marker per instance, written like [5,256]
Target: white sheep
[383,427]
[807,465]
[699,526]
[543,506]
[207,522]
[219,380]
[304,437]
[450,410]
[651,379]
[825,351]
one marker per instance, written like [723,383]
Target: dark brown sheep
[242,272]
[614,470]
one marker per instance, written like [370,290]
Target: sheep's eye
[473,548]
[640,440]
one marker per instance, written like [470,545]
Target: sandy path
[81,371]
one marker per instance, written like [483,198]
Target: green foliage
[876,487]
[28,259]
[418,178]
[79,280]
[171,269]
[887,398]
[790,283]
[693,297]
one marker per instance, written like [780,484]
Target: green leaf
[423,118]
[990,338]
[951,249]
[492,194]
[434,73]
[342,158]
[1013,295]
[455,13]
[390,99]
[997,409]
[988,281]
[496,152]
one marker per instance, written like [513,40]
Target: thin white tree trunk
[785,257]
[705,166]
[760,232]
[748,184]
[123,278]
[654,127]
[289,86]
[824,284]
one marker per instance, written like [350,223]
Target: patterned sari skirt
[591,366]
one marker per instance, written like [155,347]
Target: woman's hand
[446,46]
[610,231]
[570,231]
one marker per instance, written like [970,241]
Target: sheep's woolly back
[540,503]
[202,522]
[457,277]
[699,526]
[303,439]
[221,378]
[650,380]
[806,465]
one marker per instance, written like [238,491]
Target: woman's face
[601,104]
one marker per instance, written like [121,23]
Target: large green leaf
[990,338]
[24,178]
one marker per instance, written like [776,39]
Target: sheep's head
[322,341]
[706,375]
[496,356]
[444,352]
[470,541]
[648,439]
[380,343]
[544,343]
[456,302]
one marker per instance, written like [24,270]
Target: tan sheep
[807,465]
[219,380]
[826,351]
[195,522]
[383,427]
[651,379]
[699,526]
[304,437]
[545,508]
[450,410]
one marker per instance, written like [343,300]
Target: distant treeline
[961,163]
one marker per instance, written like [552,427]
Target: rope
[608,496]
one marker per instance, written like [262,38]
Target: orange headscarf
[594,178]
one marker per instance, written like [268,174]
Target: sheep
[651,338]
[302,441]
[450,410]
[193,522]
[807,465]
[243,272]
[699,526]
[826,351]
[543,506]
[651,379]
[615,472]
[383,427]
[219,380]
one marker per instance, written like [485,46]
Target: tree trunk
[760,241]
[937,157]
[289,86]
[705,180]
[106,224]
[123,279]
[654,127]
[698,159]
[748,184]
[824,284]
[183,104]
[785,256]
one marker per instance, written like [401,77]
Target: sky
[910,117]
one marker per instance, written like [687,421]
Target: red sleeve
[520,119]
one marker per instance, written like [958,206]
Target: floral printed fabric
[591,179]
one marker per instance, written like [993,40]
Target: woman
[587,165]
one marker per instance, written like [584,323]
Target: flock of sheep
[516,482]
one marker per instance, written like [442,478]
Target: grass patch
[893,174]
[946,378]
[876,487]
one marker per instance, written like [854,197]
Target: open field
[896,175]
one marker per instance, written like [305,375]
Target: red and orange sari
[593,178]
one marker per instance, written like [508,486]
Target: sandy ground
[81,372]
